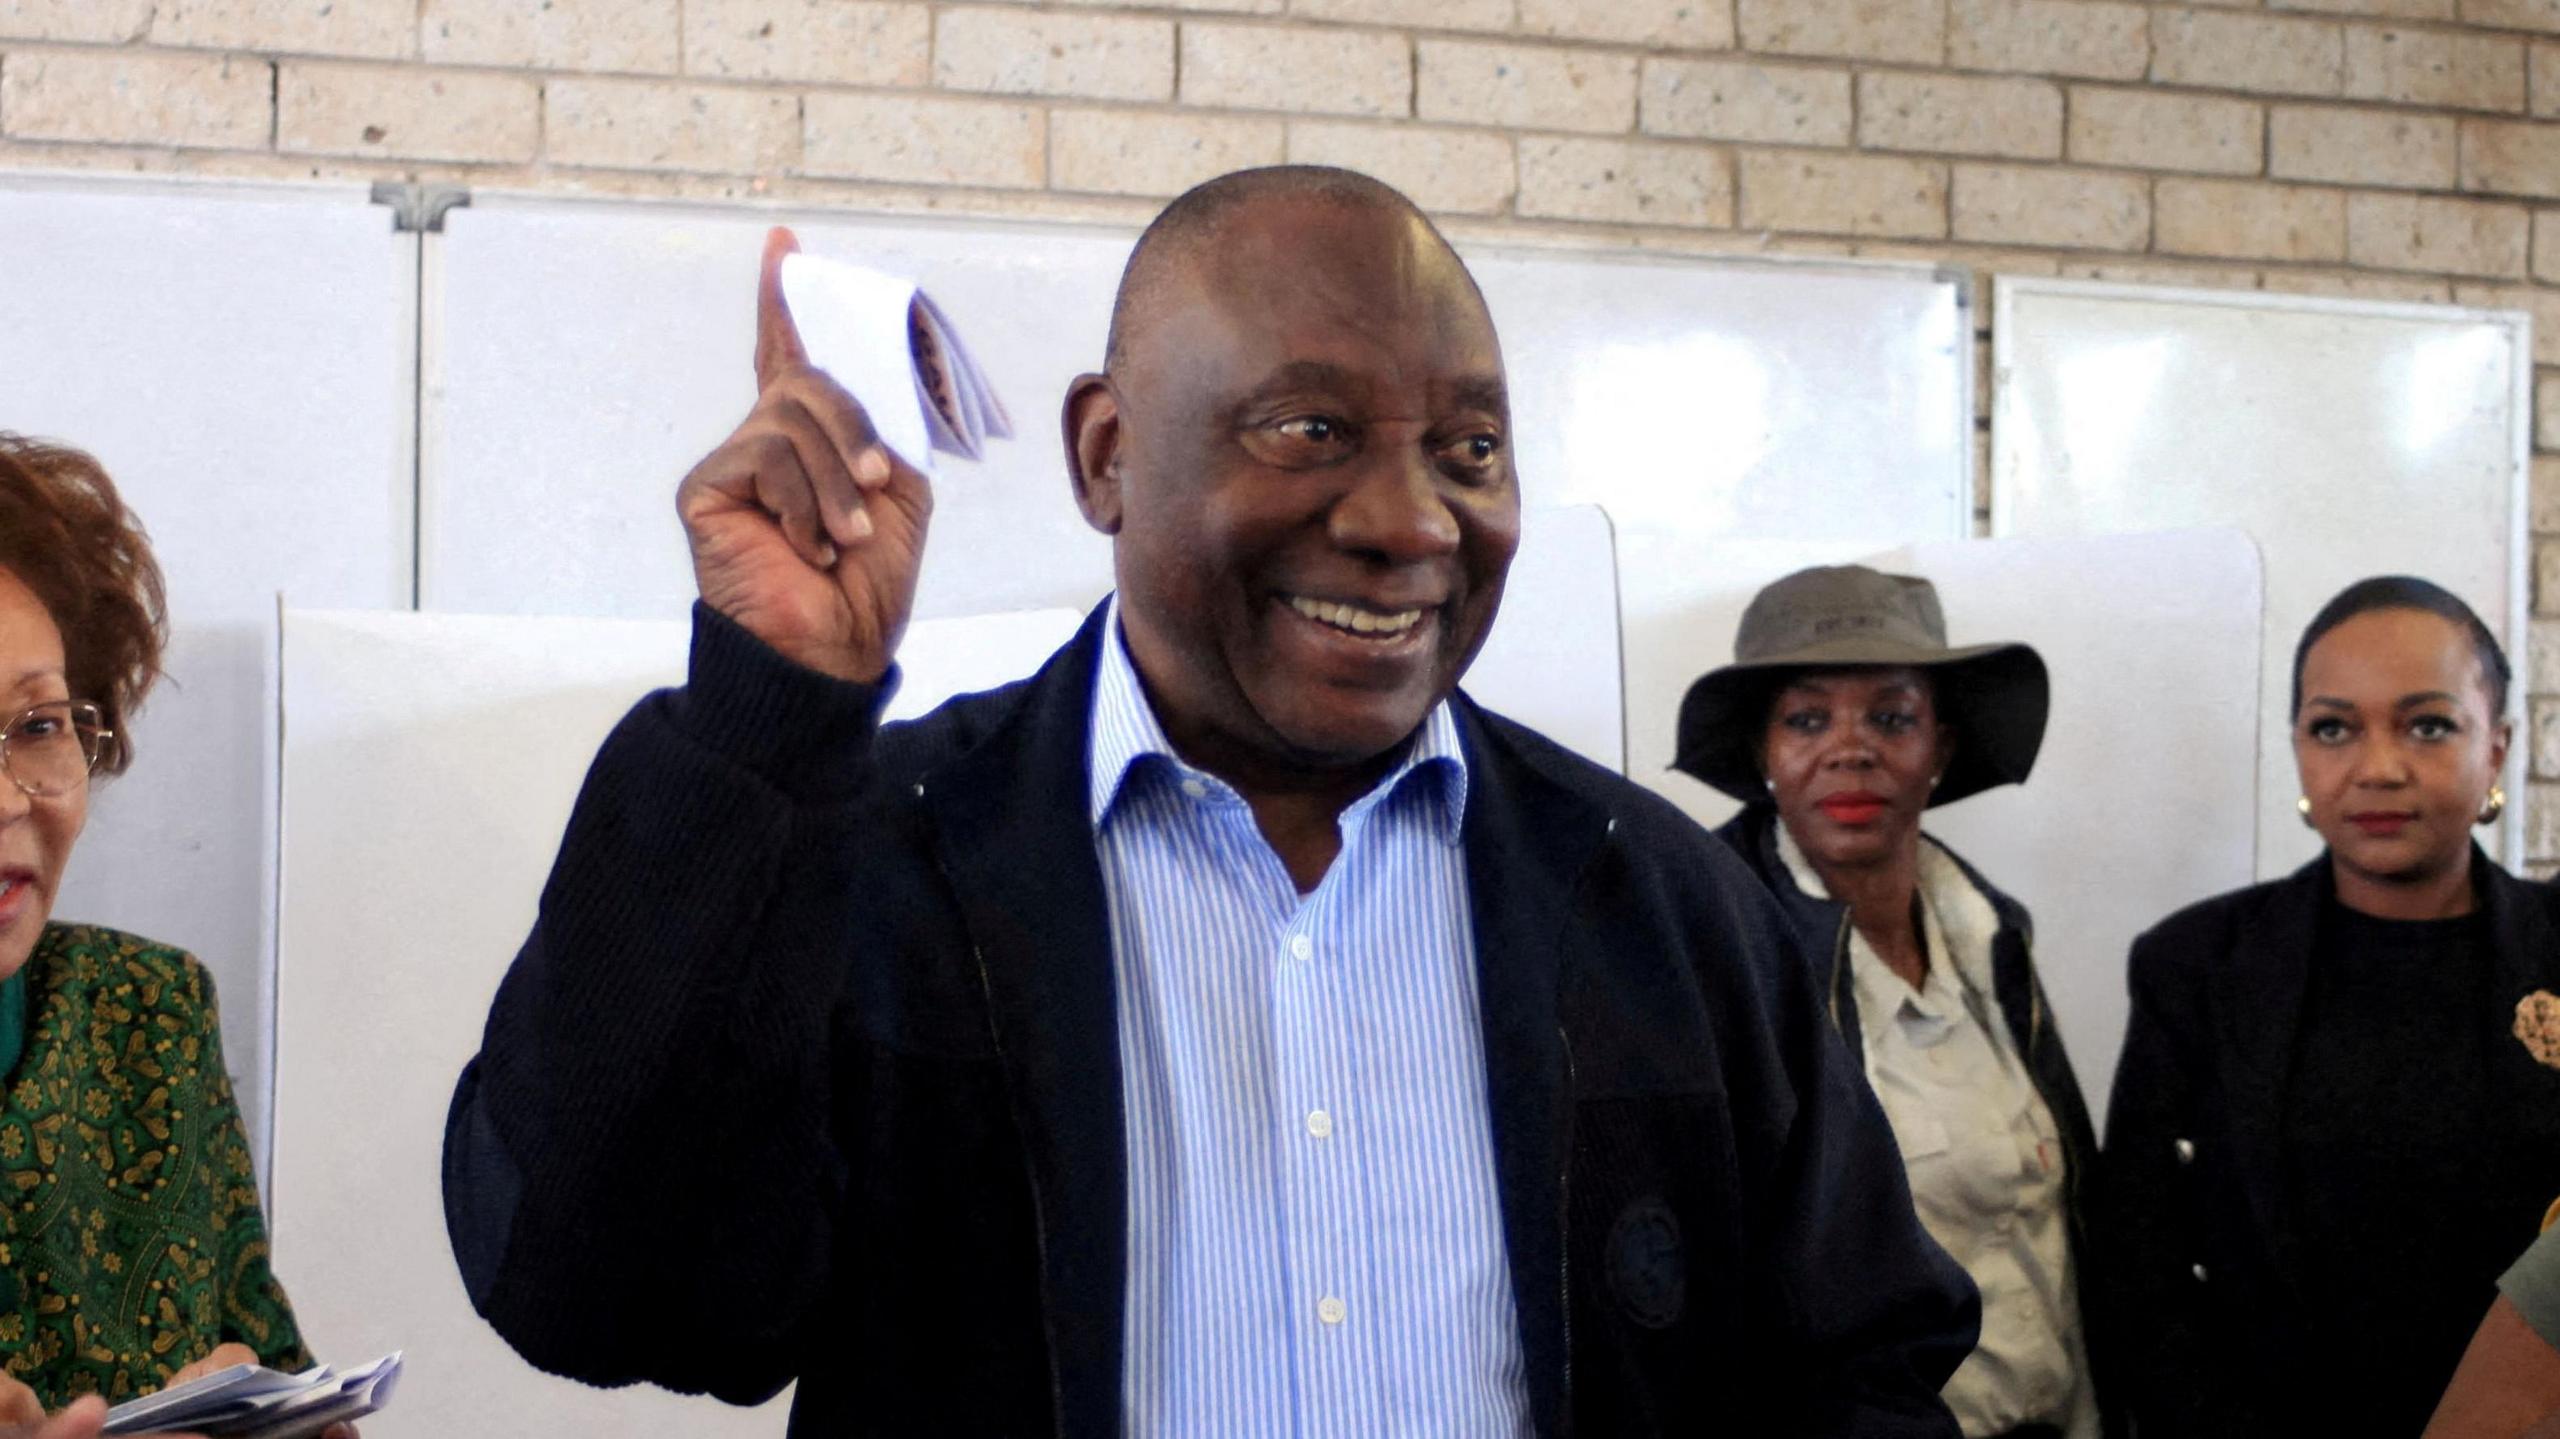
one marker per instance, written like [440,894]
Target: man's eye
[1312,429]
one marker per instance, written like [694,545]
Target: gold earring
[2302,807]
[2496,806]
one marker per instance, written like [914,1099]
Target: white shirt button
[1330,1310]
[2198,1272]
[1300,946]
[1195,789]
[2186,1151]
[1320,1124]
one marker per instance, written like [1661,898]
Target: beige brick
[1673,24]
[1120,152]
[2545,81]
[407,113]
[2244,220]
[2545,713]
[375,29]
[1418,14]
[833,42]
[1633,182]
[2542,304]
[909,140]
[642,35]
[2511,157]
[2542,821]
[2542,649]
[2051,37]
[2394,9]
[651,125]
[2543,486]
[96,21]
[2360,285]
[2542,15]
[1526,87]
[1909,32]
[2546,256]
[1014,52]
[2546,579]
[2435,67]
[2150,130]
[2042,205]
[2349,146]
[219,102]
[2453,237]
[2546,410]
[1822,194]
[1747,100]
[1959,115]
[2270,54]
[1227,7]
[1452,172]
[1280,67]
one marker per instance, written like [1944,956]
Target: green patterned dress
[131,1242]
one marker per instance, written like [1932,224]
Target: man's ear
[1091,420]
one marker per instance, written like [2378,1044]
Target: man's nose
[1395,511]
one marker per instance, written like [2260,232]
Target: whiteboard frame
[2008,290]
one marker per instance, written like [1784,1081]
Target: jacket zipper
[1839,964]
[1564,1227]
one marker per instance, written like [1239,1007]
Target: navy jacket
[1822,929]
[808,1071]
[2198,1209]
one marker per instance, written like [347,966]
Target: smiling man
[1230,1030]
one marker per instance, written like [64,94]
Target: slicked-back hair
[1196,216]
[2408,592]
[67,536]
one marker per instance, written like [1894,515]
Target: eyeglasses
[50,750]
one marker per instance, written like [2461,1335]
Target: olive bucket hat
[1843,616]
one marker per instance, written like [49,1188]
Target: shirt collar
[1125,733]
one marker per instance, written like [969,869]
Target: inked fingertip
[873,467]
[858,524]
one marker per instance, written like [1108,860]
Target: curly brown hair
[67,536]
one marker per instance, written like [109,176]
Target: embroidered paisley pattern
[131,1241]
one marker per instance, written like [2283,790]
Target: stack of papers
[888,344]
[247,1402]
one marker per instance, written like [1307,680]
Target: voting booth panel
[2142,798]
[474,733]
[240,358]
[2349,438]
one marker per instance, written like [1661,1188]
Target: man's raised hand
[804,527]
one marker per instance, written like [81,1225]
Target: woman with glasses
[132,1250]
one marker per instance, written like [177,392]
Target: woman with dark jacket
[2337,1116]
[1844,716]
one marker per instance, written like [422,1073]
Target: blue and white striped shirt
[1315,1232]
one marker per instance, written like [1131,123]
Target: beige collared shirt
[1983,1153]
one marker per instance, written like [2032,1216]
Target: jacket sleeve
[2146,1207]
[1883,1315]
[639,1179]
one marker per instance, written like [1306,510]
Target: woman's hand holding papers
[804,527]
[22,1414]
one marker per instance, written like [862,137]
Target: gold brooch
[2538,1026]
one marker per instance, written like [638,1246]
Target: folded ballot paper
[893,348]
[247,1402]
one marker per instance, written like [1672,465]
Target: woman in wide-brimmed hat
[1843,718]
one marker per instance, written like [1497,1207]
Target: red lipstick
[2382,823]
[1856,807]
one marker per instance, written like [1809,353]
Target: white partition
[2350,438]
[1552,661]
[474,732]
[241,358]
[2142,800]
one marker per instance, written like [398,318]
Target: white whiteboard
[241,359]
[472,734]
[2108,836]
[582,355]
[2349,438]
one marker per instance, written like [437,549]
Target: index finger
[778,345]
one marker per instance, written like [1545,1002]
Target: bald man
[1231,1030]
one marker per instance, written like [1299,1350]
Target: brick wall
[2395,149]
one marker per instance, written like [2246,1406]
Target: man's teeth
[1355,619]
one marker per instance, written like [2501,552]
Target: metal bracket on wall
[418,208]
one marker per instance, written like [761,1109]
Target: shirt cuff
[805,733]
